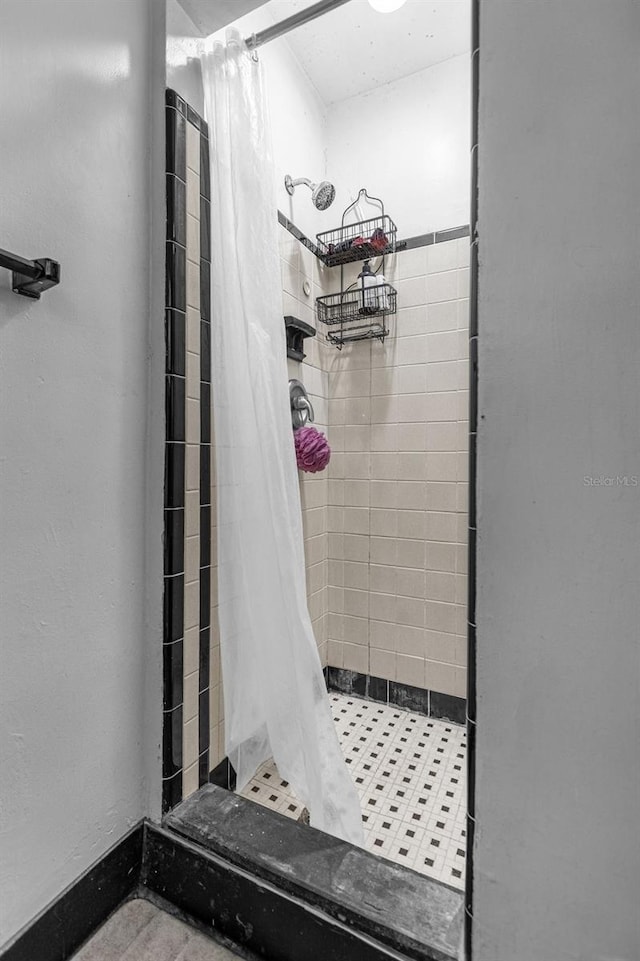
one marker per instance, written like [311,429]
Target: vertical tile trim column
[175,466]
[473,437]
[187,551]
[206,441]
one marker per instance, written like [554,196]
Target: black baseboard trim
[288,892]
[58,931]
[430,703]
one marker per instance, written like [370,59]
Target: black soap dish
[297,330]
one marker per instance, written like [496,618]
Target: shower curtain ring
[254,48]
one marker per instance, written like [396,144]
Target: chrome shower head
[322,194]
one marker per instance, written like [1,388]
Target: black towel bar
[30,277]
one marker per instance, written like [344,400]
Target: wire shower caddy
[358,313]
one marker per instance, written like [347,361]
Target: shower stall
[342,696]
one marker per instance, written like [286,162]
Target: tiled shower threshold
[395,912]
[404,890]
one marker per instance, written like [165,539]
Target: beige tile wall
[397,489]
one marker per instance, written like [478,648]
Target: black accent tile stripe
[205,351]
[172,742]
[203,720]
[173,608]
[175,287]
[203,768]
[175,408]
[205,490]
[205,176]
[176,156]
[205,413]
[205,229]
[171,792]
[174,541]
[172,674]
[409,697]
[58,931]
[205,597]
[175,340]
[174,476]
[175,393]
[204,660]
[427,702]
[205,535]
[205,290]
[473,440]
[176,210]
[453,233]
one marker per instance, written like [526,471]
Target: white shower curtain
[274,693]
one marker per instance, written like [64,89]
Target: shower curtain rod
[297,20]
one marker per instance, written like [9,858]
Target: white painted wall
[81,431]
[557,857]
[407,142]
[184,41]
[299,132]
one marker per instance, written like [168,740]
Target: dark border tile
[453,233]
[173,606]
[174,541]
[205,174]
[205,351]
[172,742]
[422,240]
[409,697]
[174,476]
[205,413]
[193,117]
[205,597]
[204,658]
[378,689]
[205,480]
[173,99]
[175,403]
[448,707]
[471,576]
[205,229]
[347,682]
[224,775]
[203,721]
[205,290]
[473,383]
[175,277]
[205,536]
[176,194]
[171,792]
[172,668]
[58,931]
[203,768]
[176,143]
[175,341]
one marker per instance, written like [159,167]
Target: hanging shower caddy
[360,312]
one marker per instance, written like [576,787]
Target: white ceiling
[354,49]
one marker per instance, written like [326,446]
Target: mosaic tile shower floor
[410,772]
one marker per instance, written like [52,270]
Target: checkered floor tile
[410,772]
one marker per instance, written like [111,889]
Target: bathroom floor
[410,771]
[138,931]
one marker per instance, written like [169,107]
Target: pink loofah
[312,449]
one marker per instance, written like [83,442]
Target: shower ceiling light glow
[386,6]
